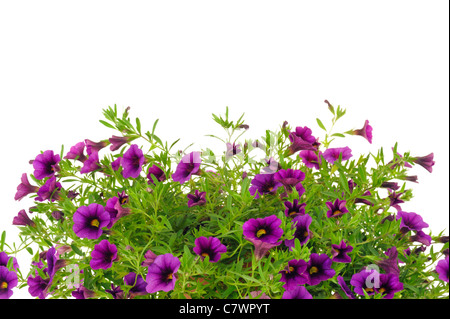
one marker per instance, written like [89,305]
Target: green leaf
[2,241]
[107,124]
[138,125]
[319,122]
[338,135]
[76,250]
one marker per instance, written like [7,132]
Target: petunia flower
[209,246]
[425,161]
[301,139]
[77,152]
[332,154]
[95,147]
[162,273]
[337,208]
[232,149]
[421,237]
[311,159]
[319,269]
[290,178]
[365,280]
[138,283]
[188,166]
[365,131]
[103,255]
[25,188]
[115,210]
[299,292]
[157,173]
[118,141]
[91,164]
[115,291]
[294,274]
[410,221]
[272,166]
[116,163]
[22,219]
[294,209]
[390,264]
[261,247]
[8,281]
[149,258]
[4,260]
[301,224]
[46,164]
[389,285]
[442,269]
[395,199]
[339,252]
[89,220]
[83,293]
[132,162]
[49,191]
[264,184]
[197,199]
[348,292]
[266,229]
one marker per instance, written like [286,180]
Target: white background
[61,62]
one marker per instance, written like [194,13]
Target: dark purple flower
[319,269]
[311,159]
[364,201]
[272,166]
[294,274]
[301,224]
[425,161]
[118,141]
[232,149]
[149,258]
[410,221]
[301,139]
[337,208]
[157,173]
[24,188]
[37,286]
[266,229]
[391,185]
[4,259]
[299,292]
[46,164]
[189,165]
[116,163]
[348,292]
[132,162]
[138,283]
[264,184]
[22,219]
[94,147]
[294,209]
[162,273]
[88,221]
[261,247]
[395,200]
[365,131]
[211,247]
[390,264]
[339,253]
[115,291]
[77,152]
[421,237]
[389,285]
[290,178]
[49,191]
[103,255]
[8,280]
[83,293]
[91,164]
[332,154]
[367,280]
[115,210]
[442,269]
[197,199]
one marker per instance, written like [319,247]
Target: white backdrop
[61,62]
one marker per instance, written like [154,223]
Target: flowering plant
[304,220]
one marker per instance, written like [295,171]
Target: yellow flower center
[4,285]
[313,270]
[337,212]
[169,276]
[205,255]
[368,290]
[260,232]
[382,290]
[305,234]
[95,222]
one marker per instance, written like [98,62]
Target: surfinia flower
[188,166]
[116,163]
[348,292]
[266,229]
[311,159]
[425,161]
[395,199]
[410,221]
[389,285]
[77,152]
[138,284]
[115,210]
[339,253]
[365,280]
[232,149]
[210,247]
[301,139]
[291,178]
[91,164]
[337,208]
[49,191]
[103,255]
[294,209]
[197,199]
[37,286]
[332,154]
[22,219]
[46,165]
[319,269]
[365,131]
[264,184]
[118,141]
[8,281]
[4,260]
[390,264]
[155,172]
[149,258]
[299,292]
[162,273]
[294,274]
[301,224]
[132,162]
[89,220]
[261,247]
[25,188]
[95,147]
[115,291]
[442,269]
[421,237]
[83,293]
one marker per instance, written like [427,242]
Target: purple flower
[395,200]
[365,280]
[22,219]
[94,147]
[390,264]
[103,255]
[116,163]
[49,191]
[302,233]
[332,154]
[77,152]
[311,159]
[149,258]
[118,141]
[337,208]
[421,237]
[157,173]
[298,292]
[272,166]
[425,161]
[138,283]
[91,164]
[88,221]
[4,259]
[189,165]
[264,184]
[37,286]
[389,285]
[442,269]
[410,221]
[209,246]
[319,269]
[261,247]
[339,253]
[294,209]
[8,280]
[196,200]
[24,188]
[290,178]
[46,164]
[365,131]
[83,293]
[132,162]
[162,273]
[265,229]
[232,149]
[294,274]
[115,291]
[348,292]
[301,139]
[115,210]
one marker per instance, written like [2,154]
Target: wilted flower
[209,246]
[118,141]
[390,264]
[162,273]
[103,255]
[189,165]
[22,219]
[232,149]
[46,164]
[95,147]
[425,161]
[25,188]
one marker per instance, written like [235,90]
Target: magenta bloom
[83,293]
[157,173]
[339,253]
[38,287]
[425,161]
[8,280]
[138,283]
[189,165]
[311,159]
[319,269]
[132,162]
[24,188]
[366,280]
[115,210]
[88,221]
[294,274]
[390,264]
[232,149]
[301,139]
[332,154]
[389,285]
[4,259]
[149,258]
[265,229]
[95,147]
[365,131]
[294,209]
[22,219]
[302,233]
[162,273]
[91,164]
[337,208]
[264,184]
[421,237]
[103,255]
[299,292]
[345,288]
[209,246]
[116,163]
[77,152]
[49,191]
[198,199]
[46,164]
[442,269]
[261,247]
[290,178]
[118,141]
[410,221]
